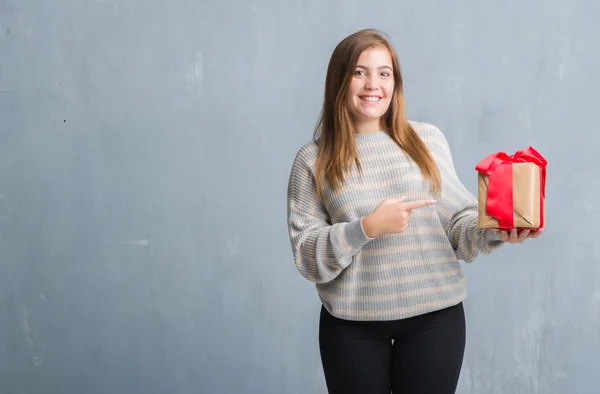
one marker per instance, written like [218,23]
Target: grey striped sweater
[393,276]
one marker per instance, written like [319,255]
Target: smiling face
[371,89]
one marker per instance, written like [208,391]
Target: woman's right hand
[391,216]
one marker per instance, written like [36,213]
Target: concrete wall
[144,154]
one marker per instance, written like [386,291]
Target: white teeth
[371,99]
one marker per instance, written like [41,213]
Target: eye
[359,72]
[385,74]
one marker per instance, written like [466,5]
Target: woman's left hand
[517,237]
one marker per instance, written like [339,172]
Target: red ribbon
[498,168]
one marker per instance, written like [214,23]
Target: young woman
[378,220]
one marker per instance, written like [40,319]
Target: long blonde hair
[335,133]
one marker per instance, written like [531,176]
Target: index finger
[418,204]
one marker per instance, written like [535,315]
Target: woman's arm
[458,209]
[321,250]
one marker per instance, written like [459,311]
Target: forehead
[375,56]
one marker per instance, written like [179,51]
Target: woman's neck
[367,127]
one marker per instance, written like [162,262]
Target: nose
[371,82]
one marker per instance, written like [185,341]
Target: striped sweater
[393,276]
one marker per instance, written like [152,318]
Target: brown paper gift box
[526,198]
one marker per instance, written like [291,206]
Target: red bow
[498,168]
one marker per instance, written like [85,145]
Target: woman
[378,220]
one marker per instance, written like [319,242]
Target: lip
[363,98]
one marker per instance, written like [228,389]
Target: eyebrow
[379,68]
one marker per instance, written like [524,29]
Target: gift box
[512,190]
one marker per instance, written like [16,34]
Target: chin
[370,117]
[370,113]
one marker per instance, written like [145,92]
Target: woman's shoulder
[426,130]
[306,155]
[431,135]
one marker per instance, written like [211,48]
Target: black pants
[425,357]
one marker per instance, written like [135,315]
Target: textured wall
[144,154]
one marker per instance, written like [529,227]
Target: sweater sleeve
[458,210]
[321,250]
